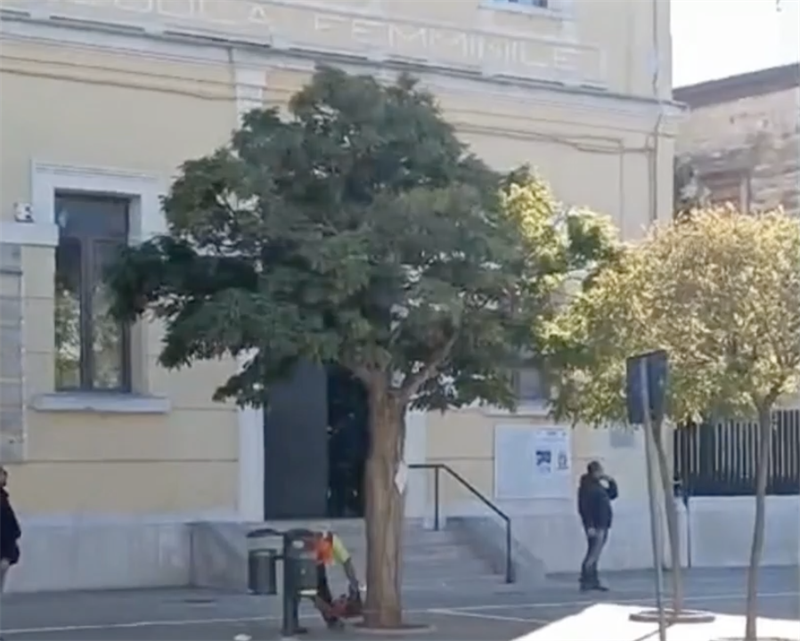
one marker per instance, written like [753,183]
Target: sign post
[646,383]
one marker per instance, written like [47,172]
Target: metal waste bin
[300,562]
[262,562]
[262,571]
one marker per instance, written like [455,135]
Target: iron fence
[719,459]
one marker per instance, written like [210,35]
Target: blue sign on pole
[657,368]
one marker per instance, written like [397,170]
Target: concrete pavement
[499,614]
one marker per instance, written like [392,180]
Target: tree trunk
[765,449]
[671,512]
[384,511]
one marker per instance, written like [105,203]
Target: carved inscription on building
[282,23]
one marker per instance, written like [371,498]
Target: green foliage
[358,231]
[720,292]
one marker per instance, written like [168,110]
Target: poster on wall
[532,462]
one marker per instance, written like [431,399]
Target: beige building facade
[101,102]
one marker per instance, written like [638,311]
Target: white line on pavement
[466,609]
[564,604]
[166,623]
[490,617]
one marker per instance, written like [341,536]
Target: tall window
[92,349]
[732,186]
[529,386]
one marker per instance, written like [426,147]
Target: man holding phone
[596,492]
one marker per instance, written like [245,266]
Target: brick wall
[748,147]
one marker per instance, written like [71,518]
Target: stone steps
[431,558]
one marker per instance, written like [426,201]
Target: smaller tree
[729,298]
[586,349]
[720,291]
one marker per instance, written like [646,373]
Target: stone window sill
[35,234]
[555,13]
[101,403]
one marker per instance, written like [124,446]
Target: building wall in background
[742,134]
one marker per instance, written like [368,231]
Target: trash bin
[262,571]
[262,562]
[300,562]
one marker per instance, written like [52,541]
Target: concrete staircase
[431,559]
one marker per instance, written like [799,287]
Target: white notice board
[532,462]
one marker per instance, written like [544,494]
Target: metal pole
[655,526]
[289,609]
[436,498]
[509,567]
[688,533]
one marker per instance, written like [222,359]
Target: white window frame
[146,219]
[554,8]
[530,408]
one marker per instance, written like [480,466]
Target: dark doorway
[296,445]
[348,443]
[316,441]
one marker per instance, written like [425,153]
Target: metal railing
[437,470]
[720,458]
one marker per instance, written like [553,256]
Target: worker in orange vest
[331,551]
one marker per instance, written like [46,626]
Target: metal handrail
[437,468]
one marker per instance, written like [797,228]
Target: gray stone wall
[755,140]
[12,403]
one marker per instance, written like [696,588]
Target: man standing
[596,492]
[10,533]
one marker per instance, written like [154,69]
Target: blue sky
[718,38]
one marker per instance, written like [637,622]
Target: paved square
[504,613]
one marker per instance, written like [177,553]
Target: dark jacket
[594,502]
[10,531]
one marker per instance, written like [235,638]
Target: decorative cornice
[145,190]
[80,171]
[629,112]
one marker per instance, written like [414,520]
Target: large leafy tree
[720,290]
[357,232]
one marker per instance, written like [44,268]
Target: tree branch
[414,382]
[361,372]
[775,391]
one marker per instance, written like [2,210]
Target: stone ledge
[101,403]
[33,233]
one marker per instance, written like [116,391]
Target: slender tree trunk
[671,512]
[384,511]
[765,449]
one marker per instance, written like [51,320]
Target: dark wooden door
[296,446]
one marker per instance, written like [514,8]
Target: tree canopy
[720,291]
[358,231]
